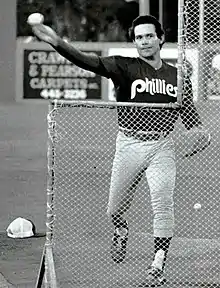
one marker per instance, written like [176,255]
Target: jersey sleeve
[188,111]
[112,66]
[104,66]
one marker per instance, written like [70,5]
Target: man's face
[146,40]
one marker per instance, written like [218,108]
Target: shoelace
[121,233]
[120,237]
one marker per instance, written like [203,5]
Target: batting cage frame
[200,171]
[47,271]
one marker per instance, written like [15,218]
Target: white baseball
[35,18]
[197,206]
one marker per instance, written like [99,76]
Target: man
[144,144]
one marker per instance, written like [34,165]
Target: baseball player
[144,145]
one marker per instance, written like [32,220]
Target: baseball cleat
[119,244]
[155,277]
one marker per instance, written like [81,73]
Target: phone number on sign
[65,94]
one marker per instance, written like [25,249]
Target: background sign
[49,75]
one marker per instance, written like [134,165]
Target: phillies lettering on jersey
[154,86]
[136,81]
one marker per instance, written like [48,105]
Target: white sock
[158,259]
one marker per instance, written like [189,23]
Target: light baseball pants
[155,159]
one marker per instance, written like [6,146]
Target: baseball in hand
[35,19]
[197,206]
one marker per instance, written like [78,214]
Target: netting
[84,143]
[199,39]
[109,159]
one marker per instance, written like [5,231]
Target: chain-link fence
[200,39]
[84,138]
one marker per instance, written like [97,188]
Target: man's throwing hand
[45,33]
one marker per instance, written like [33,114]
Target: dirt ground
[23,170]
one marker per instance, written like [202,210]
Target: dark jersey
[137,81]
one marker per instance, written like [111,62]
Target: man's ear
[162,39]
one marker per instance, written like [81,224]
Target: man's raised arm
[84,60]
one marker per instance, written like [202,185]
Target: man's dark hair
[146,19]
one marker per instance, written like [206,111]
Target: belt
[147,136]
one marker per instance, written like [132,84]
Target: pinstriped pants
[154,158]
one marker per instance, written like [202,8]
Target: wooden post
[201,86]
[144,7]
[8,49]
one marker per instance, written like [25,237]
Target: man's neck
[156,63]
